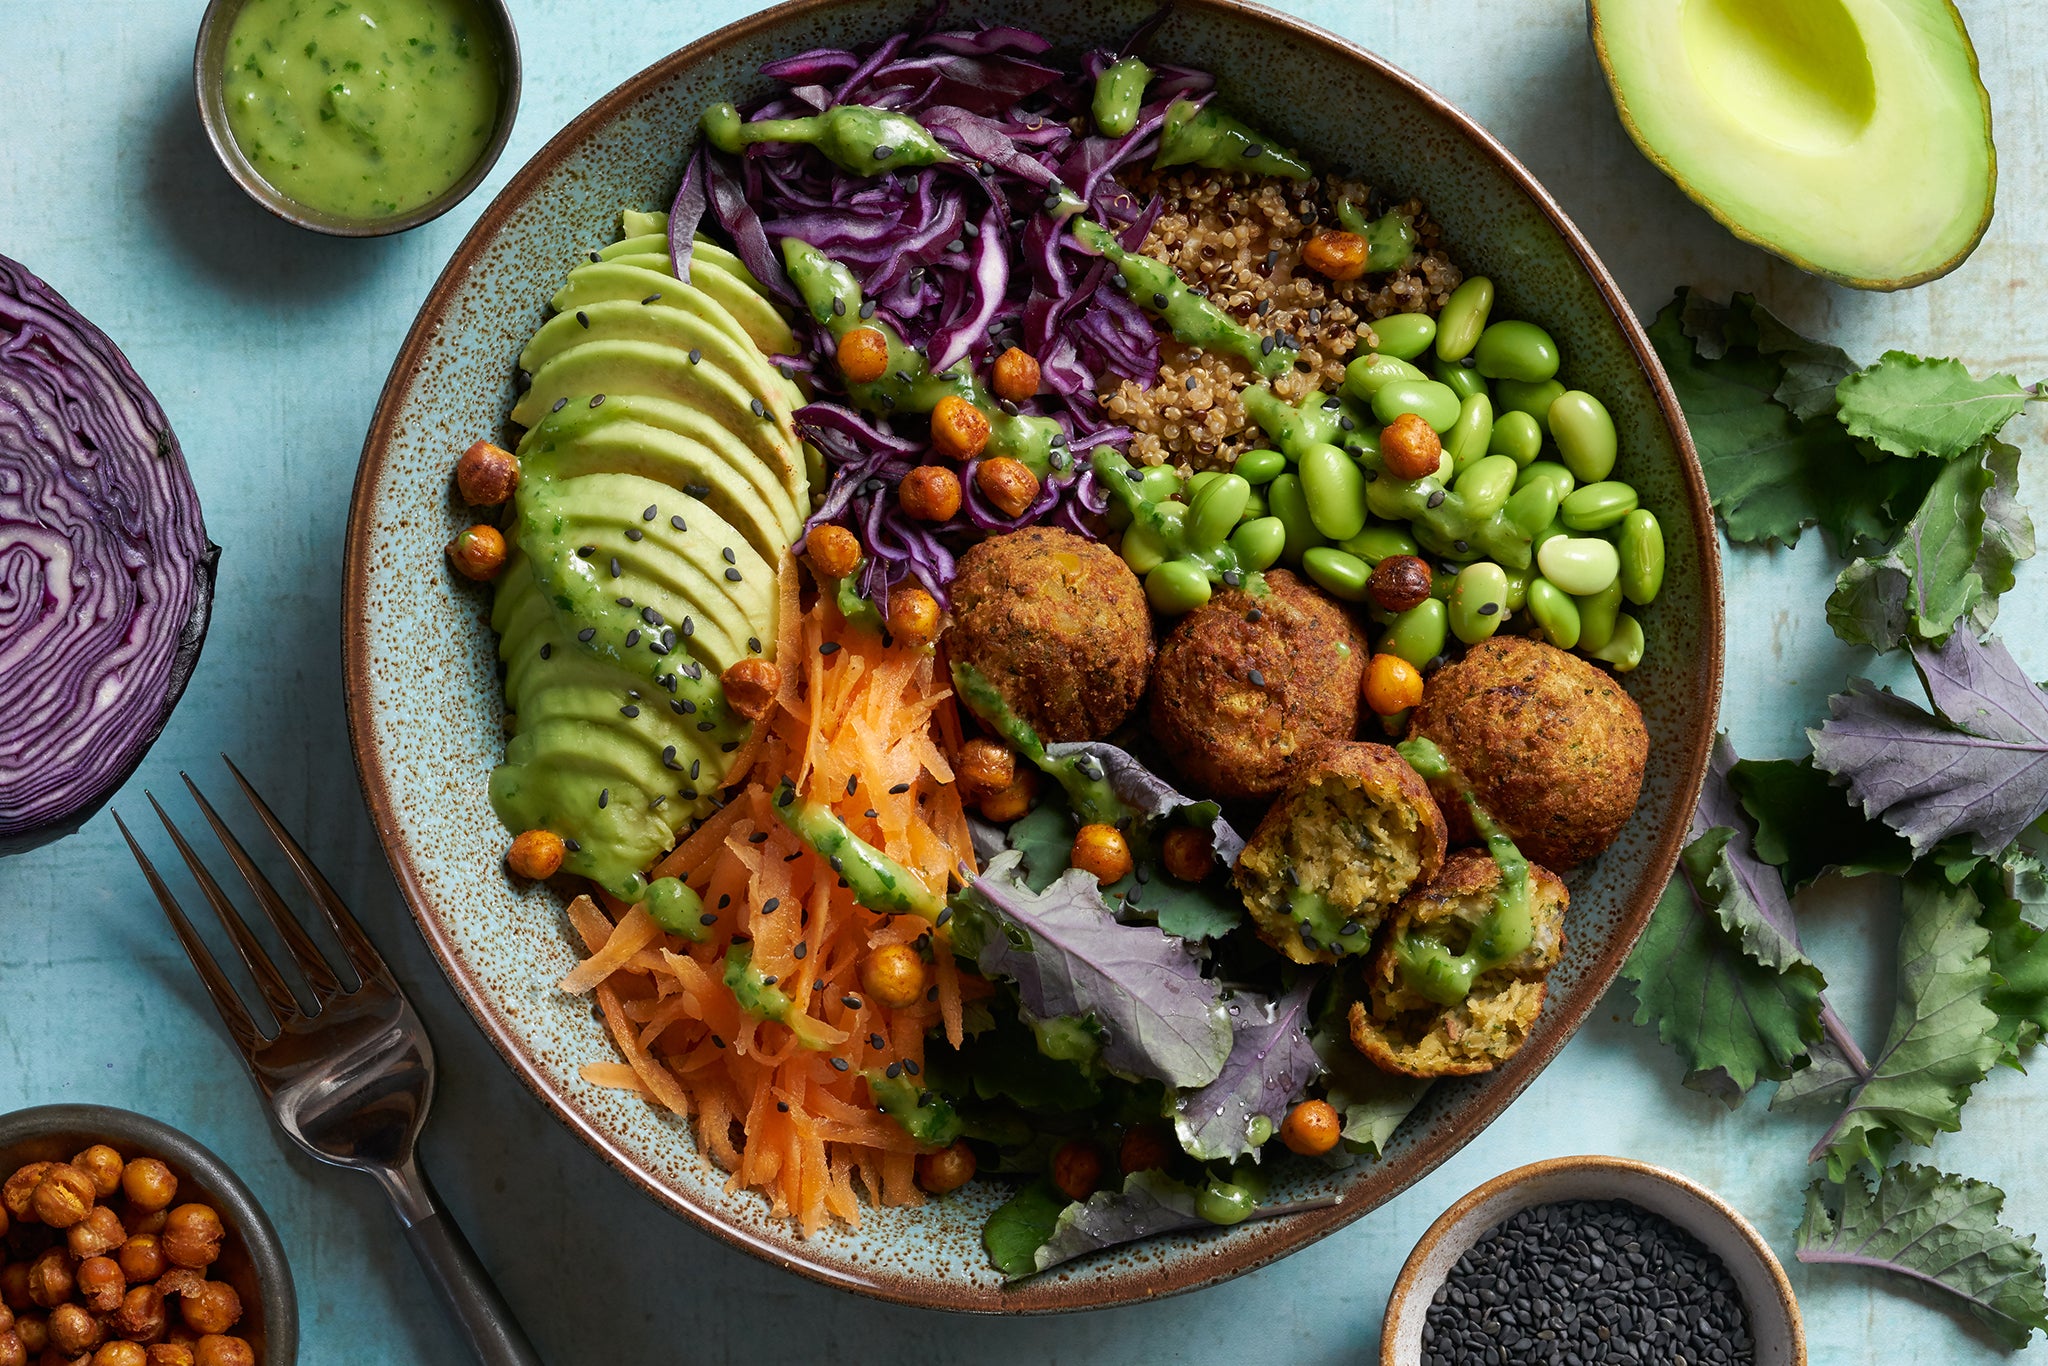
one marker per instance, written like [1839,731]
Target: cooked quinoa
[1239,238]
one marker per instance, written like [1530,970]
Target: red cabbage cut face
[106,574]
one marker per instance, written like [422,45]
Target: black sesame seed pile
[1586,1282]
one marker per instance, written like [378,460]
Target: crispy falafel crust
[1408,1034]
[1551,746]
[1058,624]
[1236,737]
[1302,831]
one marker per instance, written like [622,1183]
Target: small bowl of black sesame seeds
[1592,1260]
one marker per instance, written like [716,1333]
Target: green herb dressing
[1193,319]
[1119,95]
[1203,135]
[1093,799]
[1389,239]
[877,881]
[676,908]
[1117,477]
[763,1000]
[854,137]
[361,108]
[1427,965]
[1319,420]
[925,1117]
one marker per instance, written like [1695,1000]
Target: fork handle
[487,1322]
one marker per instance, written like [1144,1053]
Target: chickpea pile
[92,1253]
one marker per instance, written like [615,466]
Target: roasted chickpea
[50,1279]
[913,617]
[930,493]
[1336,254]
[1398,583]
[1013,801]
[863,355]
[142,1315]
[136,1221]
[170,1354]
[6,1319]
[1007,483]
[1103,851]
[893,975]
[751,687]
[1392,685]
[959,429]
[983,769]
[1410,447]
[1077,1169]
[1311,1128]
[104,1166]
[149,1185]
[1145,1148]
[1014,376]
[213,1308]
[34,1332]
[17,1193]
[5,1220]
[73,1331]
[834,552]
[214,1350]
[100,1284]
[478,553]
[948,1169]
[191,1236]
[99,1232]
[121,1354]
[486,475]
[64,1196]
[12,1352]
[1189,854]
[141,1258]
[536,854]
[14,1286]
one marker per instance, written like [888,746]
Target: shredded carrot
[864,729]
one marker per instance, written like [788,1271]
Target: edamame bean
[1437,404]
[1516,350]
[1217,508]
[1158,483]
[1642,557]
[1595,507]
[1418,634]
[1484,488]
[1176,586]
[1470,434]
[1517,434]
[1580,565]
[1597,617]
[1377,543]
[1547,471]
[1142,549]
[1258,543]
[1290,507]
[1366,375]
[1254,507]
[1340,575]
[1363,439]
[1584,433]
[1478,602]
[1553,610]
[1260,467]
[1624,649]
[1404,335]
[1463,318]
[1533,399]
[1335,489]
[1518,588]
[1545,536]
[1200,480]
[1463,379]
[1533,508]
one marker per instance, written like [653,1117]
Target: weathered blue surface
[267,346]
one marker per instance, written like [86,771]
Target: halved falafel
[1549,745]
[1406,1032]
[1058,625]
[1355,830]
[1248,682]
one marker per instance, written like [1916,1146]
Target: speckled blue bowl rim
[1252,1245]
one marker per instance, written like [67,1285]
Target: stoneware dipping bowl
[1774,1324]
[426,711]
[252,1259]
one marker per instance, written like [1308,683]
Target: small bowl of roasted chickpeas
[124,1242]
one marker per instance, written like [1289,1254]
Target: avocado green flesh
[1851,137]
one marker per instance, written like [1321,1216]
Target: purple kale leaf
[1150,1203]
[1271,1064]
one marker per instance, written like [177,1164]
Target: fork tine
[225,1000]
[326,986]
[361,952]
[283,1005]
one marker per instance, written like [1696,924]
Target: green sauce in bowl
[362,108]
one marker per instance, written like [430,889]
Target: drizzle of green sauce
[1427,965]
[925,1117]
[763,1000]
[1389,239]
[675,908]
[1088,789]
[1117,477]
[877,881]
[1203,135]
[1193,319]
[1317,421]
[1119,95]
[855,137]
[857,610]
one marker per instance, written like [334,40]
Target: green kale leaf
[1807,826]
[1908,405]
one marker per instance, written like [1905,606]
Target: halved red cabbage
[106,575]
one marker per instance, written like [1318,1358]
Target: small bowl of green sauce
[357,118]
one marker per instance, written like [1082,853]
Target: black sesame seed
[1253,150]
[1461,546]
[760,408]
[893,1071]
[597,400]
[604,799]
[838,307]
[768,906]
[1232,578]
[560,404]
[1487,609]
[678,523]
[1266,344]
[1159,299]
[850,1002]
[1254,616]
[651,299]
[912,1068]
[585,551]
[883,151]
[1436,499]
[867,308]
[696,356]
[615,566]
[830,647]
[633,533]
[689,626]
[629,711]
[730,558]
[840,1064]
[572,846]
[733,575]
[800,949]
[708,918]
[546,650]
[581,316]
[899,789]
[587,634]
[707,725]
[754,644]
[944,916]
[1258,679]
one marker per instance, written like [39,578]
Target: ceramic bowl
[252,1259]
[207,60]
[1774,1323]
[420,668]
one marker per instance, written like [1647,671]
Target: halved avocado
[1851,137]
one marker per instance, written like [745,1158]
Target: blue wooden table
[268,345]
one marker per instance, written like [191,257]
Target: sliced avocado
[530,791]
[631,320]
[722,274]
[1851,137]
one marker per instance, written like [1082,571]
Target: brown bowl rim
[1226,1260]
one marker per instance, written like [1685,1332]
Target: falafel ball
[1354,831]
[1407,1032]
[1549,745]
[1246,683]
[1058,625]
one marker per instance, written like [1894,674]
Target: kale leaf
[1021,1225]
[1271,1064]
[1938,1230]
[1806,826]
[1907,405]
[1150,1203]
[1371,1102]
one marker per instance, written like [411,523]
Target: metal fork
[350,1080]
